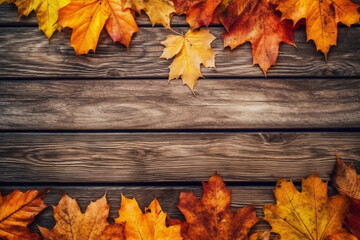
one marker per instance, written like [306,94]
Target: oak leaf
[256,21]
[191,50]
[88,17]
[159,11]
[198,12]
[309,214]
[17,211]
[346,180]
[71,223]
[150,225]
[322,18]
[353,218]
[211,217]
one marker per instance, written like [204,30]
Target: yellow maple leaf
[306,215]
[47,15]
[148,226]
[159,11]
[46,12]
[25,7]
[322,17]
[191,50]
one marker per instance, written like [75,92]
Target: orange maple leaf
[256,21]
[322,17]
[198,12]
[211,217]
[148,226]
[71,223]
[309,214]
[88,17]
[17,211]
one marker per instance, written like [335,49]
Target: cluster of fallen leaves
[309,214]
[264,23]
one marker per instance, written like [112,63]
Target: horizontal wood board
[154,104]
[26,53]
[171,157]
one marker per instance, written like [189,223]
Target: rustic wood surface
[153,104]
[174,157]
[30,53]
[109,122]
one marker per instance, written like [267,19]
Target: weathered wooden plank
[26,53]
[171,157]
[167,196]
[154,104]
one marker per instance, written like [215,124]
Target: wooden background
[109,122]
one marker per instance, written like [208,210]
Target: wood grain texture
[171,157]
[26,53]
[167,196]
[154,104]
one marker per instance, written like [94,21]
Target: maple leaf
[121,24]
[159,11]
[211,217]
[46,12]
[191,51]
[321,17]
[256,22]
[148,226]
[309,214]
[353,218]
[88,17]
[346,180]
[198,12]
[47,15]
[71,223]
[17,211]
[25,7]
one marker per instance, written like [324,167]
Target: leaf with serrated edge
[17,211]
[305,215]
[190,52]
